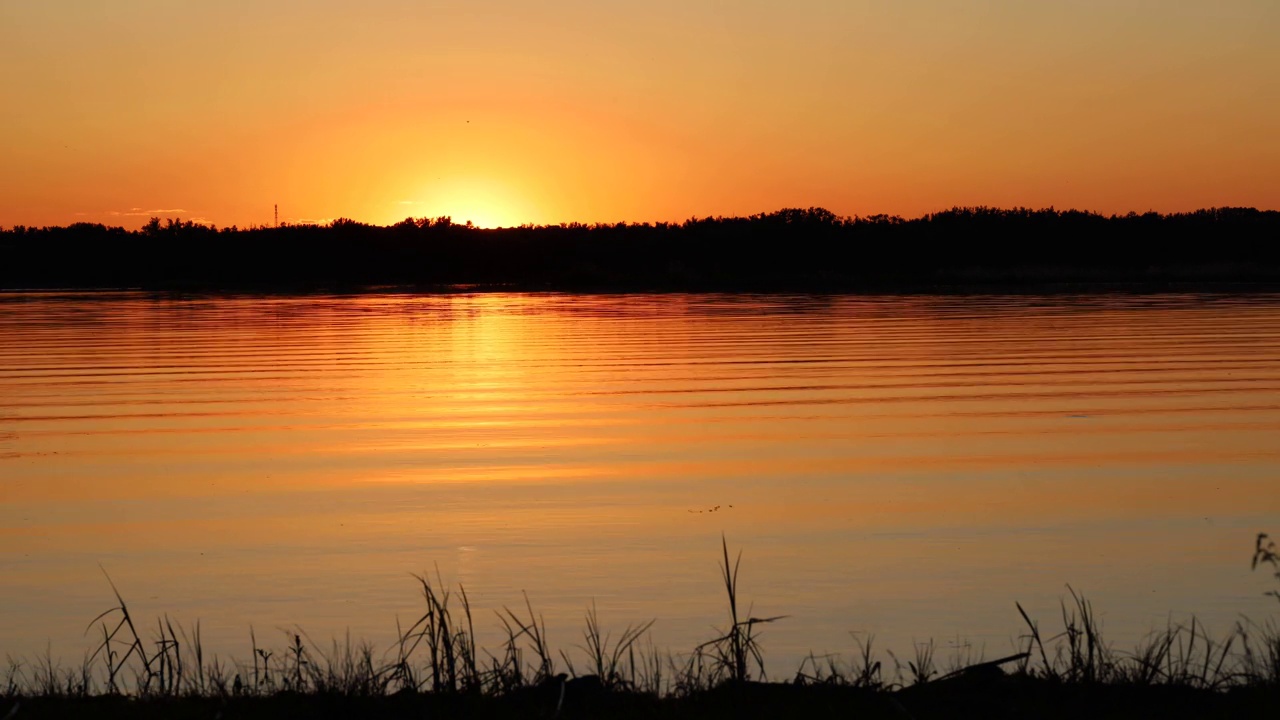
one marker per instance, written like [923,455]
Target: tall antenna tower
[277,215]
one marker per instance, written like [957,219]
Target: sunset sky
[511,111]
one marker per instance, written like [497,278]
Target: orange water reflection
[909,466]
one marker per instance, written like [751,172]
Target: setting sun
[484,202]
[508,113]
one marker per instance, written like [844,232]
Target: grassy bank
[1061,669]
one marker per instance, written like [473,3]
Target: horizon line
[813,209]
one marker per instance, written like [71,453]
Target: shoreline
[962,250]
[436,669]
[1119,288]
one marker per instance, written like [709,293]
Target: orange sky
[508,111]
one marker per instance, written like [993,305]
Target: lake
[907,467]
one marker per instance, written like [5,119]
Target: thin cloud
[139,212]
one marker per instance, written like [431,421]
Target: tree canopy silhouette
[791,249]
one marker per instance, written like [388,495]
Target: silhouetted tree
[793,248]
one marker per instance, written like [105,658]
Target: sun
[484,202]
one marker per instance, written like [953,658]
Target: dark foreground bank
[789,250]
[436,670]
[994,700]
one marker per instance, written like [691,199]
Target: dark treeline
[786,250]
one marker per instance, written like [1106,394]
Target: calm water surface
[907,467]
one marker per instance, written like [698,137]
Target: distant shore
[960,251]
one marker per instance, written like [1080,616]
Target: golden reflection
[598,446]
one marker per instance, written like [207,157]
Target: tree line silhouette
[791,249]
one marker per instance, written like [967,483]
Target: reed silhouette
[435,669]
[797,249]
[1265,554]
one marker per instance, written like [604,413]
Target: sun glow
[485,202]
[568,111]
